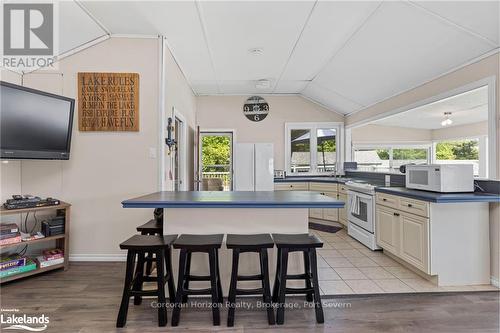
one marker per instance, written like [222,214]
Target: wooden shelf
[33,272]
[62,205]
[45,239]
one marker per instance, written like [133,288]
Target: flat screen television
[34,124]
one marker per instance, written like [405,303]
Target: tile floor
[348,267]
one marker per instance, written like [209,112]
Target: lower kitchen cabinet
[316,213]
[387,229]
[414,231]
[404,235]
[343,211]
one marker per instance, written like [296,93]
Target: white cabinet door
[316,213]
[387,229]
[343,211]
[414,244]
[331,214]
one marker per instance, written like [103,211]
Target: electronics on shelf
[29,201]
[53,227]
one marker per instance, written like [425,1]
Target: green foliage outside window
[458,150]
[216,150]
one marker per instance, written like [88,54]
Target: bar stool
[307,244]
[189,244]
[140,245]
[152,227]
[258,243]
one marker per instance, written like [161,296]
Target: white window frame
[396,145]
[484,158]
[313,127]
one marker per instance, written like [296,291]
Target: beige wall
[463,131]
[378,133]
[487,67]
[226,112]
[178,95]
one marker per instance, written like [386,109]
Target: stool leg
[122,314]
[149,264]
[186,276]
[169,274]
[280,314]
[232,288]
[138,277]
[160,278]
[307,270]
[317,297]
[219,284]
[213,287]
[264,271]
[176,313]
[276,279]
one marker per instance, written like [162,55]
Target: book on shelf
[11,240]
[53,254]
[11,262]
[8,228]
[29,266]
[42,262]
[9,235]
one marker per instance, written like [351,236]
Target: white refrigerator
[253,167]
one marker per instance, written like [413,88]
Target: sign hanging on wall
[108,102]
[256,108]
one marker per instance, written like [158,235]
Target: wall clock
[255,108]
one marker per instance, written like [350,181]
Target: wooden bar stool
[258,243]
[307,244]
[188,244]
[152,227]
[139,245]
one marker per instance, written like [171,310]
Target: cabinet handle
[384,199]
[396,214]
[410,205]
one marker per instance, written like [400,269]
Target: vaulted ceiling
[345,55]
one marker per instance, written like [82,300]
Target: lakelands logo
[28,35]
[32,323]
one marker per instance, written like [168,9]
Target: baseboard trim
[494,282]
[98,257]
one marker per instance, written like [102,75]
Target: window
[312,148]
[388,158]
[463,151]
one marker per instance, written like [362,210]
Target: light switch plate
[387,180]
[152,152]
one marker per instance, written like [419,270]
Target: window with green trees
[458,150]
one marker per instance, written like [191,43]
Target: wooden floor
[86,298]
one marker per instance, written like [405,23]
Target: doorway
[216,161]
[179,156]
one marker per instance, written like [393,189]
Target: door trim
[183,153]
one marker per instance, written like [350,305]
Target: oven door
[364,218]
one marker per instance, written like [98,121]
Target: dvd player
[29,201]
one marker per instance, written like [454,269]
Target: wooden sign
[108,101]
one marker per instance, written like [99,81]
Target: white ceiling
[345,55]
[466,108]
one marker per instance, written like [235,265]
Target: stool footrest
[206,291]
[198,277]
[144,292]
[299,290]
[298,276]
[250,277]
[254,291]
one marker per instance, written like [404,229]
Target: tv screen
[34,124]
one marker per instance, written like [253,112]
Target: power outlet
[152,152]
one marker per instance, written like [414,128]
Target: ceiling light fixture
[447,121]
[256,51]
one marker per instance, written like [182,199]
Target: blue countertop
[440,197]
[235,199]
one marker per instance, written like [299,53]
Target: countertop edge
[491,198]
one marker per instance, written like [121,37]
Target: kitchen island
[238,212]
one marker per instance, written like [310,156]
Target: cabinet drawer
[414,206]
[388,200]
[323,187]
[342,188]
[291,186]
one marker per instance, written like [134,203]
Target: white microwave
[441,177]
